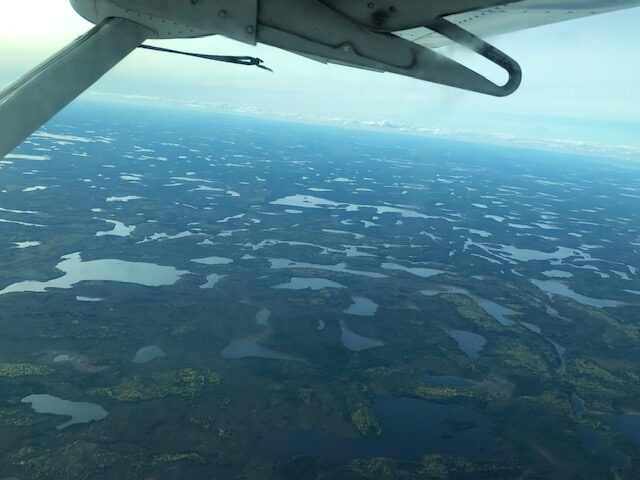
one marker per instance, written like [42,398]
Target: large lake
[80,412]
[107,270]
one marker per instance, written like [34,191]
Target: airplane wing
[396,36]
[491,20]
[403,36]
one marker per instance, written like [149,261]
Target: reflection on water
[353,251]
[512,254]
[362,306]
[147,354]
[76,271]
[213,261]
[309,201]
[212,280]
[418,271]
[355,342]
[80,412]
[277,263]
[301,283]
[554,287]
[411,428]
[119,229]
[557,274]
[470,343]
[496,311]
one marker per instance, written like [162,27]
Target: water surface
[362,306]
[76,271]
[302,283]
[80,412]
[470,343]
[248,347]
[417,271]
[213,261]
[277,263]
[496,310]
[493,309]
[557,274]
[212,280]
[355,342]
[62,358]
[554,287]
[119,229]
[147,354]
[532,327]
[22,245]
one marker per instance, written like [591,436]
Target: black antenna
[238,60]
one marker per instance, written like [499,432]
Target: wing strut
[36,97]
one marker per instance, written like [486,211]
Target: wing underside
[520,15]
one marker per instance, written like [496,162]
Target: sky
[580,81]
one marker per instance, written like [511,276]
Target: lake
[76,271]
[554,287]
[147,354]
[248,347]
[362,306]
[302,283]
[470,343]
[80,412]
[355,342]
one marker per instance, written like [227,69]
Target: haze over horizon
[580,80]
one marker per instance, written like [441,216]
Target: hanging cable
[237,60]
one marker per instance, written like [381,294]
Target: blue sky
[580,82]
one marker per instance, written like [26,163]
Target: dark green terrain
[494,332]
